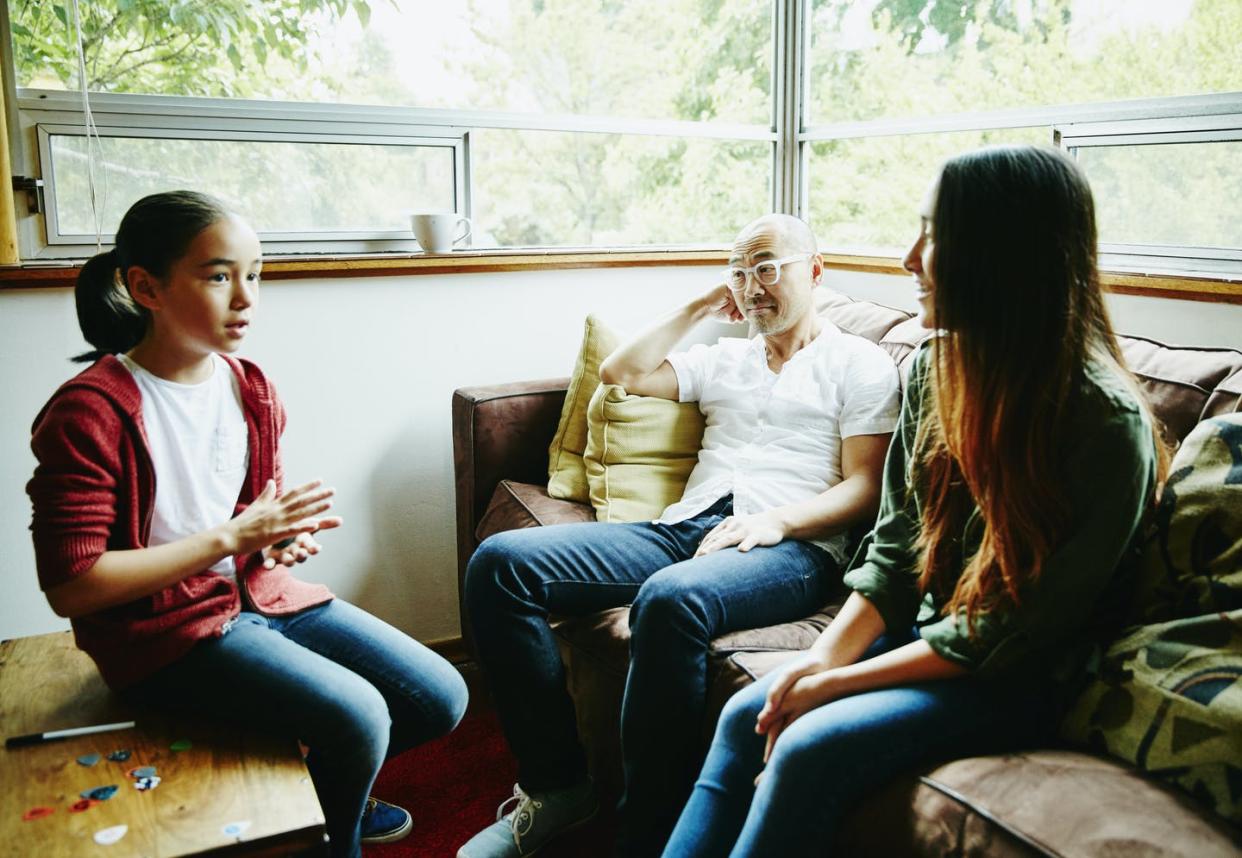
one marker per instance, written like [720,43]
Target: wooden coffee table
[228,776]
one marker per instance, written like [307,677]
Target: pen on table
[53,735]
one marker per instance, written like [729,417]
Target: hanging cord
[94,147]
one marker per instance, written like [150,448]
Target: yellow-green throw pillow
[639,452]
[567,478]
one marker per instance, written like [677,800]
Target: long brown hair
[1017,295]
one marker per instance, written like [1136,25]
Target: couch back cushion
[640,451]
[1184,384]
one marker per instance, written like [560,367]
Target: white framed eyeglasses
[767,272]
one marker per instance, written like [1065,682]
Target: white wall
[367,367]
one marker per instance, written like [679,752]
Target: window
[550,122]
[620,123]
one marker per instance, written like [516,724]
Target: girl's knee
[451,698]
[360,722]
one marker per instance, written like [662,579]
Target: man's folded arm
[853,500]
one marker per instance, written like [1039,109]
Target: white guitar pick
[108,836]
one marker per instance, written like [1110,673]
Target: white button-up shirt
[775,438]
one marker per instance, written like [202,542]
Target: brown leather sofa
[1045,802]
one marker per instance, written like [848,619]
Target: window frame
[1071,126]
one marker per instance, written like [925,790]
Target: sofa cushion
[567,479]
[1192,564]
[640,451]
[862,318]
[1185,384]
[514,505]
[1045,802]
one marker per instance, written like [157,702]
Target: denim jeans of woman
[679,603]
[351,687]
[828,759]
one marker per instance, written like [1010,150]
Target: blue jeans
[680,603]
[828,759]
[351,687]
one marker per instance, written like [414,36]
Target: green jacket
[1112,470]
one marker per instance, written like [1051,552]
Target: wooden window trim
[63,275]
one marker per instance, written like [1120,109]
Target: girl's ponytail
[154,234]
[109,320]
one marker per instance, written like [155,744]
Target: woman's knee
[741,711]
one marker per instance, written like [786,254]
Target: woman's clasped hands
[804,684]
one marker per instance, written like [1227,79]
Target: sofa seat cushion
[516,505]
[1046,802]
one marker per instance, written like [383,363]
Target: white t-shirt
[200,449]
[775,438]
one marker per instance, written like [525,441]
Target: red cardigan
[94,490]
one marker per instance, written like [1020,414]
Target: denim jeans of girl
[351,687]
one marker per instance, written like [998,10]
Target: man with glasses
[798,420]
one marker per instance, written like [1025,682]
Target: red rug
[452,787]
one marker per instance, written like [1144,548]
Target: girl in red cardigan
[162,530]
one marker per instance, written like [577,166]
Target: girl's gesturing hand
[269,520]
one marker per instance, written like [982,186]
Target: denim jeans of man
[679,603]
[828,759]
[351,687]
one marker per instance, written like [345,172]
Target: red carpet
[452,787]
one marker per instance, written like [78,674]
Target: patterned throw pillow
[567,477]
[1167,696]
[639,452]
[1168,699]
[1192,563]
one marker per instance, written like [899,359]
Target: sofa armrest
[500,432]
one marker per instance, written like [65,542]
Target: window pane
[864,193]
[911,58]
[1187,194]
[534,188]
[277,186]
[662,59]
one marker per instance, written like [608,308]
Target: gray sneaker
[526,823]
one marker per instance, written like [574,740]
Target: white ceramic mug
[435,231]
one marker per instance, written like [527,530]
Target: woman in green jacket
[1014,487]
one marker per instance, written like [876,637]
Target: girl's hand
[300,549]
[270,519]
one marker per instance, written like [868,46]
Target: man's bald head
[786,303]
[791,234]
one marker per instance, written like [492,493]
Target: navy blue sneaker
[383,822]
